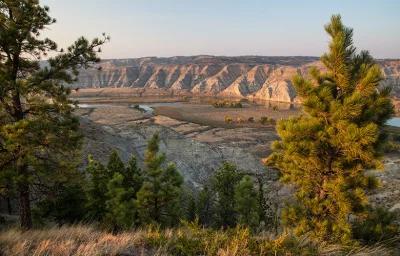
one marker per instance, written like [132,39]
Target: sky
[140,28]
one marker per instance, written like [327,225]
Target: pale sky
[165,28]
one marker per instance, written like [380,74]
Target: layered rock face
[254,77]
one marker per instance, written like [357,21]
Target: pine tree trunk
[25,214]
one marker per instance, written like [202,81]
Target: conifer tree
[188,204]
[66,205]
[120,204]
[247,205]
[133,176]
[96,191]
[38,131]
[223,185]
[115,163]
[324,153]
[205,206]
[159,197]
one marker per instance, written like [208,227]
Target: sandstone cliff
[255,77]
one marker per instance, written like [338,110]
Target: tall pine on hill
[246,203]
[159,197]
[324,153]
[38,132]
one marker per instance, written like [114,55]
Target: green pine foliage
[247,203]
[205,206]
[324,153]
[39,135]
[67,205]
[133,176]
[120,204]
[224,182]
[159,197]
[96,190]
[377,226]
[191,209]
[115,163]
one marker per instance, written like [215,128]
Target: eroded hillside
[254,77]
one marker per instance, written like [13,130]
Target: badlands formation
[252,77]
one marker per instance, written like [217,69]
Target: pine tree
[188,204]
[247,205]
[67,205]
[96,191]
[115,163]
[159,197]
[324,153]
[223,185]
[205,206]
[120,204]
[38,133]
[133,176]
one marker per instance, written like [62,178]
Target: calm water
[394,122]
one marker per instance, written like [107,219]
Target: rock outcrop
[254,77]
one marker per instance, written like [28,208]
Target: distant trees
[325,152]
[37,129]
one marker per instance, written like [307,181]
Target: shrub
[378,226]
[239,120]
[265,120]
[228,119]
[227,104]
[251,119]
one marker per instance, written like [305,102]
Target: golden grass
[187,240]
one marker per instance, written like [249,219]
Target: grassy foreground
[187,240]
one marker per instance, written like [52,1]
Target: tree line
[123,196]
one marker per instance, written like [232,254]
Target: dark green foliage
[133,176]
[205,206]
[115,163]
[120,204]
[223,185]
[189,204]
[247,203]
[111,192]
[67,206]
[39,135]
[325,152]
[379,225]
[159,197]
[96,190]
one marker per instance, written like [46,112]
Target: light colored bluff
[252,77]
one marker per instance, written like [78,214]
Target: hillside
[254,77]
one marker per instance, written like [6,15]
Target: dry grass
[187,240]
[73,240]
